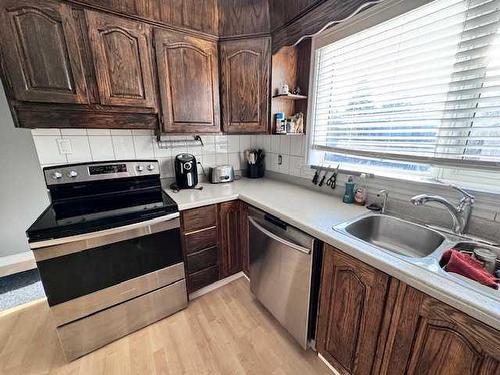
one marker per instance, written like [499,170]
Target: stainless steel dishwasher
[281,272]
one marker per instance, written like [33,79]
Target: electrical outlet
[64,146]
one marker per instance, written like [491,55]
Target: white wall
[22,190]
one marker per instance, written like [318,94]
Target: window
[416,95]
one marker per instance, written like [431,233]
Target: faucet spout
[460,214]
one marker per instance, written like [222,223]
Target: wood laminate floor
[223,332]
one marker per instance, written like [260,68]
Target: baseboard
[215,285]
[328,365]
[15,263]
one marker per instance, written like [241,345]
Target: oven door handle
[62,246]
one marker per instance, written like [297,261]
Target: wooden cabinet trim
[161,18]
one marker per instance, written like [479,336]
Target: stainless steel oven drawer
[87,334]
[77,308]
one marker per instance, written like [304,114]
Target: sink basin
[396,235]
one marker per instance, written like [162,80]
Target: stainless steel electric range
[108,250]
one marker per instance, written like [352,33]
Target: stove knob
[57,175]
[73,174]
[140,168]
[151,167]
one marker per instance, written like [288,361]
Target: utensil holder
[255,170]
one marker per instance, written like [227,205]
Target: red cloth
[465,265]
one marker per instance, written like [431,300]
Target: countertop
[316,213]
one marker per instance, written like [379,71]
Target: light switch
[64,146]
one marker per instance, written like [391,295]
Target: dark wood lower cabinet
[200,279]
[370,323]
[244,240]
[352,305]
[212,243]
[429,337]
[229,238]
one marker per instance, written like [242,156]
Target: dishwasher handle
[278,238]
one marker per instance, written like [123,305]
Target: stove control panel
[96,171]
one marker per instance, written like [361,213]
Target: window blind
[422,87]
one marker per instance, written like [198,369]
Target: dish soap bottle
[349,190]
[361,191]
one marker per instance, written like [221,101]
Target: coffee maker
[186,171]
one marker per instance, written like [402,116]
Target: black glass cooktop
[89,213]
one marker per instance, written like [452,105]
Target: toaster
[223,173]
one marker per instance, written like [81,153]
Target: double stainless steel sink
[418,244]
[396,235]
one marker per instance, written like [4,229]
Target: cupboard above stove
[67,65]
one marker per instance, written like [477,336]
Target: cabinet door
[189,83]
[122,60]
[229,229]
[427,336]
[245,71]
[40,47]
[352,304]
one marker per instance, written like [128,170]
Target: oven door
[76,266]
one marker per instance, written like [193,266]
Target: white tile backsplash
[73,132]
[233,144]
[46,132]
[98,132]
[80,149]
[143,146]
[123,146]
[101,147]
[103,144]
[285,144]
[47,149]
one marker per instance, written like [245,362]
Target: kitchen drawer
[203,278]
[87,334]
[199,218]
[200,240]
[202,259]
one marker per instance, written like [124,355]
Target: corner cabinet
[229,238]
[122,60]
[189,83]
[352,306]
[429,337]
[40,45]
[245,79]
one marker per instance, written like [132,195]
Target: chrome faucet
[460,214]
[385,195]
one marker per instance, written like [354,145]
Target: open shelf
[290,97]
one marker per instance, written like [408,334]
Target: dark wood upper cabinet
[429,337]
[189,83]
[243,17]
[352,307]
[40,48]
[229,234]
[122,59]
[245,78]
